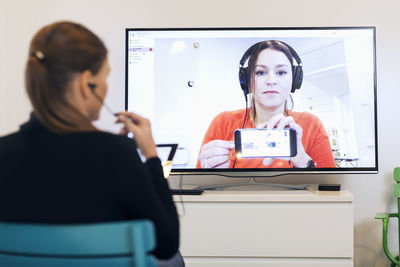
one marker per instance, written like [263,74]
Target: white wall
[373,193]
[2,64]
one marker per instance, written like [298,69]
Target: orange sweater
[315,139]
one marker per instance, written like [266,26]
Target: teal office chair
[119,244]
[385,220]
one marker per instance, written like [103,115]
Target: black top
[83,178]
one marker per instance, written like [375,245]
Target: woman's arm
[320,149]
[143,193]
[216,150]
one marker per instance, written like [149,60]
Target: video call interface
[181,79]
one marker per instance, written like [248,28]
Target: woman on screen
[274,71]
[58,168]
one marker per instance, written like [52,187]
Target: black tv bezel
[259,172]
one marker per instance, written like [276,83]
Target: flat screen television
[198,86]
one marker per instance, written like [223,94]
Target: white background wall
[19,20]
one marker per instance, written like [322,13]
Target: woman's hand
[141,129]
[216,154]
[279,122]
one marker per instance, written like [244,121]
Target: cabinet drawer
[313,230]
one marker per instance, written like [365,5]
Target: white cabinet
[256,228]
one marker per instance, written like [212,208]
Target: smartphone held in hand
[263,143]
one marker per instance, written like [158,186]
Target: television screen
[258,100]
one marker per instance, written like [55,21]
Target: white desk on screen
[267,228]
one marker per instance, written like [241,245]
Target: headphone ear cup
[244,81]
[297,78]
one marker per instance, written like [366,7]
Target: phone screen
[262,143]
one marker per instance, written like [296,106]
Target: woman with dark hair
[272,76]
[58,168]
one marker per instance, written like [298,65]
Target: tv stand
[252,182]
[267,229]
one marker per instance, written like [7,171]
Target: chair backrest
[114,244]
[396,176]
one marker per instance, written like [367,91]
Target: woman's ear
[84,87]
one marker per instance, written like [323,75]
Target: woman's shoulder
[10,142]
[304,116]
[86,144]
[307,121]
[231,114]
[101,145]
[111,140]
[110,136]
[228,120]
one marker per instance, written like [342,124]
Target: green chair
[385,220]
[116,244]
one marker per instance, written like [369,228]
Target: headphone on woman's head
[297,69]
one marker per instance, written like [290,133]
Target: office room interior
[373,193]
